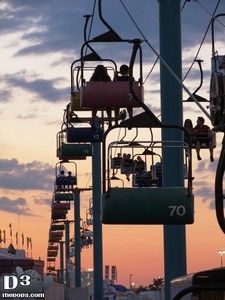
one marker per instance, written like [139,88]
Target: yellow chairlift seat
[75,102]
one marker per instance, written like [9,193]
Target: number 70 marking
[177,210]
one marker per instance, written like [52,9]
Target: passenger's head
[69,173]
[100,69]
[62,172]
[100,74]
[188,123]
[200,120]
[124,70]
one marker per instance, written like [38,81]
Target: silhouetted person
[124,73]
[188,139]
[71,180]
[61,180]
[100,74]
[203,135]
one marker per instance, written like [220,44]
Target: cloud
[4,95]
[30,176]
[48,26]
[204,182]
[44,88]
[56,26]
[16,206]
[26,116]
[206,193]
[42,201]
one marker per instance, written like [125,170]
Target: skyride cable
[203,39]
[155,62]
[205,9]
[167,66]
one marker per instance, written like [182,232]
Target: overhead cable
[200,46]
[167,66]
[155,62]
[205,9]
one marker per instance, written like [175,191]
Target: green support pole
[61,249]
[77,243]
[97,224]
[67,248]
[172,113]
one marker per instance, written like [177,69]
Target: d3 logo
[10,282]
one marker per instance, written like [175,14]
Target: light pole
[221,253]
[130,280]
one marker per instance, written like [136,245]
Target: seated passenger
[127,165]
[189,127]
[61,180]
[203,135]
[139,165]
[158,172]
[124,71]
[143,179]
[101,74]
[71,180]
[124,76]
[117,161]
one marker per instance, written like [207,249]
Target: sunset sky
[39,41]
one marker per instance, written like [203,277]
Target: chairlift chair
[53,247]
[65,183]
[52,253]
[147,205]
[100,95]
[50,259]
[71,150]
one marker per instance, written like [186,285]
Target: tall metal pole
[61,249]
[97,224]
[172,113]
[77,246]
[67,248]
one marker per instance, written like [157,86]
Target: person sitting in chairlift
[61,180]
[124,73]
[127,165]
[203,135]
[116,163]
[124,76]
[189,127]
[101,74]
[71,180]
[139,165]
